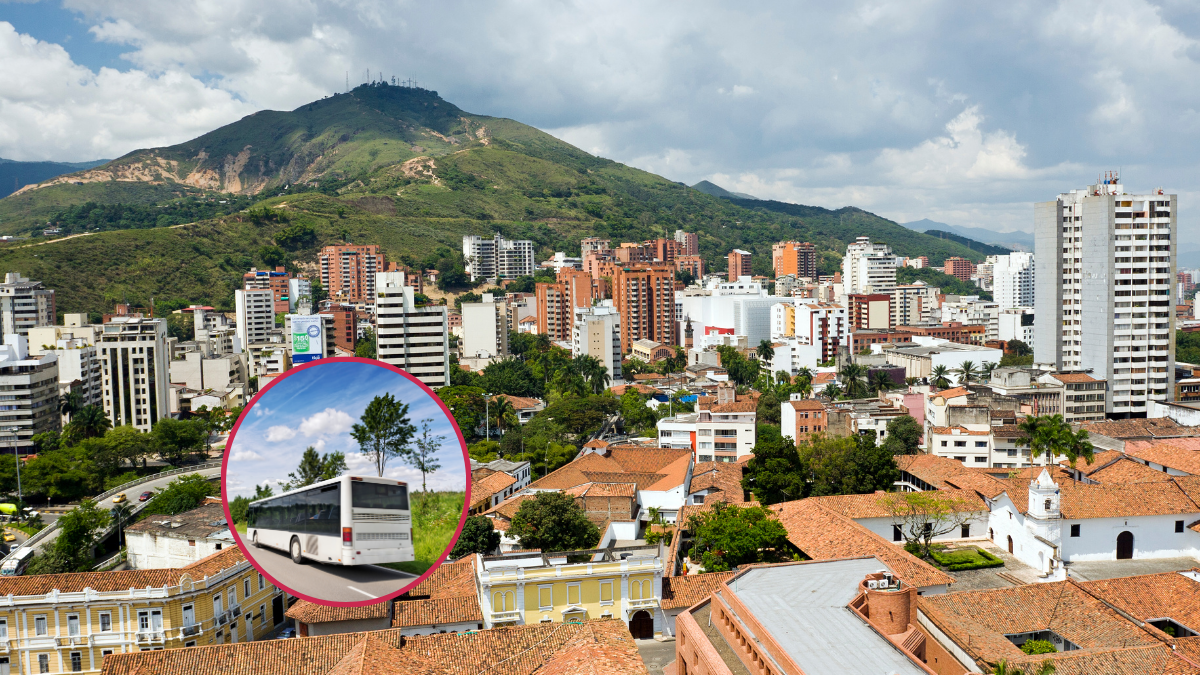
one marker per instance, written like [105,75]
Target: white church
[1051,524]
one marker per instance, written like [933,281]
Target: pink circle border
[462,519]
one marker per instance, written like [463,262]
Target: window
[245,589]
[1047,505]
[191,643]
[897,535]
[108,652]
[76,662]
[189,615]
[39,625]
[149,620]
[981,444]
[1179,526]
[73,625]
[43,663]
[545,597]
[943,444]
[262,583]
[105,622]
[980,460]
[217,608]
[966,530]
[960,458]
[574,594]
[3,629]
[606,592]
[232,596]
[1075,530]
[960,444]
[262,615]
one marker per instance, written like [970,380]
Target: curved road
[330,582]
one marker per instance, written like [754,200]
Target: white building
[742,305]
[1105,270]
[498,258]
[914,304]
[970,310]
[1074,522]
[792,354]
[1012,279]
[30,385]
[161,542]
[868,268]
[929,353]
[298,288]
[24,304]
[597,333]
[255,315]
[721,430]
[485,329]
[79,370]
[1016,323]
[414,338]
[135,362]
[821,324]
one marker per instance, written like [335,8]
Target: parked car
[119,498]
[145,495]
[286,633]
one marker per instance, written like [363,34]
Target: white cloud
[328,422]
[279,433]
[245,456]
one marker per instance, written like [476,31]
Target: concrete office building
[1105,268]
[30,385]
[348,272]
[645,298]
[485,329]
[135,363]
[297,289]
[1012,279]
[411,337]
[597,333]
[498,258]
[24,304]
[255,311]
[276,280]
[914,303]
[739,264]
[794,257]
[868,268]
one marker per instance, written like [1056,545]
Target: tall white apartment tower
[135,366]
[1105,267]
[498,258]
[868,268]
[24,304]
[1012,280]
[255,315]
[411,337]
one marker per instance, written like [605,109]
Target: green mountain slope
[15,175]
[388,165]
[985,249]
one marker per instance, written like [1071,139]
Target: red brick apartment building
[348,272]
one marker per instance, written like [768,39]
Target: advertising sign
[308,339]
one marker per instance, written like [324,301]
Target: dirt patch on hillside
[380,206]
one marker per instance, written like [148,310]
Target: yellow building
[526,587]
[67,623]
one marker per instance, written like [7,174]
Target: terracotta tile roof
[1127,471]
[1180,454]
[643,481]
[121,580]
[875,505]
[559,649]
[669,464]
[485,488]
[952,393]
[611,490]
[682,592]
[450,580]
[725,477]
[1073,377]
[521,402]
[735,407]
[1079,501]
[620,389]
[1007,431]
[596,443]
[824,378]
[823,534]
[962,431]
[310,612]
[508,508]
[977,621]
[943,472]
[463,609]
[807,404]
[1140,429]
[1099,461]
[1152,596]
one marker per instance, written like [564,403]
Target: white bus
[17,563]
[351,520]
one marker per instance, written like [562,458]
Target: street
[330,582]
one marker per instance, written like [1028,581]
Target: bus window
[378,496]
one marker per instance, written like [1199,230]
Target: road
[330,582]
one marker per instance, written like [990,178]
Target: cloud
[245,456]
[279,433]
[328,422]
[260,410]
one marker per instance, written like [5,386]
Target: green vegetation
[435,520]
[730,535]
[552,521]
[1038,647]
[903,436]
[1187,347]
[316,467]
[780,471]
[970,558]
[391,166]
[478,536]
[934,277]
[983,249]
[182,494]
[92,216]
[78,533]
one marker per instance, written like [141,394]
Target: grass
[435,520]
[959,559]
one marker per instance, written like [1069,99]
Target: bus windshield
[378,496]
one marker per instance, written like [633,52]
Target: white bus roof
[331,481]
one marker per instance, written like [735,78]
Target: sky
[317,407]
[964,113]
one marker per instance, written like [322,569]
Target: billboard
[308,338]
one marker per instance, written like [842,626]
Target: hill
[393,166]
[1017,240]
[985,249]
[715,190]
[14,175]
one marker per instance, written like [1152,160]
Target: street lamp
[487,416]
[17,458]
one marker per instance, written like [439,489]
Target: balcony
[504,617]
[641,603]
[189,631]
[151,637]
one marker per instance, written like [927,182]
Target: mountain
[393,166]
[1017,240]
[14,175]
[985,249]
[717,191]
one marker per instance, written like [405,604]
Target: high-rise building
[593,245]
[578,286]
[1105,268]
[498,258]
[597,333]
[692,263]
[867,311]
[297,289]
[553,311]
[959,268]
[645,298]
[739,264]
[348,272]
[135,363]
[25,304]
[30,385]
[665,250]
[411,337]
[485,328]
[689,242]
[794,257]
[868,268]
[1012,280]
[276,281]
[914,303]
[344,325]
[255,310]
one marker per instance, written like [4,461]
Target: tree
[176,439]
[765,351]
[512,377]
[966,372]
[239,509]
[466,404]
[366,347]
[903,436]
[881,380]
[552,521]
[478,536]
[846,466]
[384,431]
[832,390]
[502,411]
[130,445]
[923,516]
[730,535]
[854,380]
[182,494]
[1019,348]
[423,457]
[272,256]
[774,473]
[985,370]
[1044,668]
[638,417]
[69,403]
[938,377]
[1044,435]
[262,492]
[78,533]
[89,422]
[65,473]
[315,467]
[1077,446]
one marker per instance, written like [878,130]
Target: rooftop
[198,523]
[688,590]
[1181,454]
[1141,429]
[462,609]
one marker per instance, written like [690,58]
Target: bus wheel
[256,544]
[295,548]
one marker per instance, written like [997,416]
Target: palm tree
[90,421]
[853,378]
[804,373]
[938,377]
[1049,434]
[765,351]
[505,414]
[832,390]
[966,372]
[1078,446]
[985,370]
[881,381]
[69,403]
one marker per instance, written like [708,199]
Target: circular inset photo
[345,481]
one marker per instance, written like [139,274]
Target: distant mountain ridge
[1017,240]
[14,175]
[710,188]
